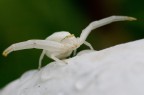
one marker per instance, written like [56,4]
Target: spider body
[69,43]
[61,44]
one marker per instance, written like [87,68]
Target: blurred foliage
[22,20]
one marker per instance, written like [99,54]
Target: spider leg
[89,45]
[56,59]
[102,22]
[40,59]
[38,44]
[74,52]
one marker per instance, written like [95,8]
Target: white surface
[118,70]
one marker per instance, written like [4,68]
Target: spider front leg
[102,22]
[38,44]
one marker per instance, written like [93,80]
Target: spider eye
[72,35]
[69,36]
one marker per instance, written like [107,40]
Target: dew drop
[60,93]
[81,84]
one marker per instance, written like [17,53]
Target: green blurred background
[22,20]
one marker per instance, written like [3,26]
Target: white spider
[61,44]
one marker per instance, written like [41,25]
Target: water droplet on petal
[79,86]
[60,93]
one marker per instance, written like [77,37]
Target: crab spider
[61,44]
